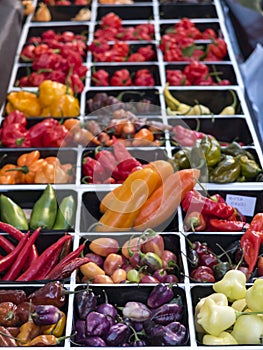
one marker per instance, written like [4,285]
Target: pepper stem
[24,169]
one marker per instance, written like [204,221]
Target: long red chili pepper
[6,244]
[34,272]
[56,271]
[250,243]
[18,265]
[228,225]
[7,261]
[72,265]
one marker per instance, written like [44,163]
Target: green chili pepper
[227,170]
[212,150]
[249,168]
[12,213]
[181,160]
[65,214]
[234,149]
[44,211]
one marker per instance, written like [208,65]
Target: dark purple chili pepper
[93,341]
[160,295]
[86,301]
[151,261]
[167,313]
[107,309]
[175,333]
[80,329]
[46,315]
[171,278]
[148,279]
[161,275]
[97,324]
[118,334]
[136,311]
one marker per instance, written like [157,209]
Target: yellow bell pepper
[223,338]
[26,102]
[233,285]
[49,90]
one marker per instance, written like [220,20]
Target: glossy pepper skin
[212,150]
[49,91]
[117,334]
[8,316]
[16,296]
[160,295]
[52,293]
[249,168]
[46,314]
[181,160]
[25,102]
[227,170]
[86,301]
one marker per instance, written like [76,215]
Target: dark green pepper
[220,269]
[12,213]
[211,149]
[44,211]
[234,149]
[181,160]
[65,214]
[227,170]
[249,168]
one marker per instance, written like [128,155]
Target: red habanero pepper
[250,243]
[228,225]
[176,78]
[121,77]
[15,117]
[18,264]
[218,48]
[195,201]
[124,168]
[92,170]
[8,260]
[56,137]
[143,77]
[195,71]
[136,57]
[106,159]
[36,132]
[15,135]
[147,52]
[100,78]
[35,271]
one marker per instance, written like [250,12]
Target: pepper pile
[232,314]
[31,169]
[53,99]
[102,51]
[46,213]
[195,73]
[123,77]
[141,259]
[179,43]
[225,164]
[111,29]
[66,2]
[36,319]
[157,321]
[57,57]
[25,263]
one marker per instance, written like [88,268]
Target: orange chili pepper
[71,123]
[9,177]
[28,158]
[143,137]
[50,173]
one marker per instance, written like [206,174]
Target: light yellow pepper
[223,338]
[239,305]
[248,329]
[233,285]
[254,296]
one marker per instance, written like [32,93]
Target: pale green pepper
[248,329]
[254,296]
[223,338]
[239,304]
[215,318]
[233,285]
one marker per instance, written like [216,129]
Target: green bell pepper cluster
[220,164]
[46,213]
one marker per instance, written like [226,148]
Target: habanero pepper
[250,243]
[121,77]
[15,135]
[52,293]
[92,170]
[25,102]
[51,90]
[124,168]
[106,159]
[212,150]
[226,170]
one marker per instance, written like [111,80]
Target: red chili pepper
[147,52]
[121,77]
[120,151]
[55,137]
[14,136]
[143,77]
[186,137]
[18,264]
[176,78]
[107,160]
[250,243]
[218,48]
[71,266]
[228,225]
[36,133]
[92,170]
[28,53]
[55,273]
[136,57]
[100,78]
[196,71]
[8,260]
[203,274]
[196,202]
[15,117]
[111,20]
[35,271]
[6,244]
[257,223]
[195,221]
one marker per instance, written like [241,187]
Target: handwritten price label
[246,205]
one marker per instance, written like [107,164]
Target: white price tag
[246,205]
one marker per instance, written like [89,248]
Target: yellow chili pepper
[56,329]
[223,338]
[26,102]
[49,90]
[28,331]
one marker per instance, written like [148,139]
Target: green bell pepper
[211,149]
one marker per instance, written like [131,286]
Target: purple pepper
[160,295]
[118,334]
[80,329]
[45,315]
[136,311]
[93,341]
[161,275]
[174,334]
[86,301]
[97,324]
[107,309]
[167,313]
